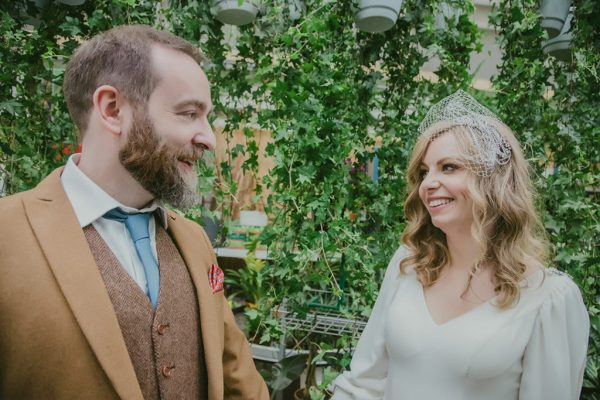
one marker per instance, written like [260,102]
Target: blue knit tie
[137,225]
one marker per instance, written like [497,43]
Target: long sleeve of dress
[554,360]
[367,376]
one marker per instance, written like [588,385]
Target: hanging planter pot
[560,46]
[554,13]
[377,15]
[233,13]
[73,2]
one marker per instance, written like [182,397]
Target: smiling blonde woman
[467,309]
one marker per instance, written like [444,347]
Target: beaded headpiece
[490,148]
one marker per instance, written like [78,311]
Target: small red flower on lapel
[216,278]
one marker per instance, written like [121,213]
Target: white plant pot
[377,15]
[560,46]
[554,14]
[230,12]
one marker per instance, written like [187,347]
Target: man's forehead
[166,60]
[178,71]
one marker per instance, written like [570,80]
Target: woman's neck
[464,251]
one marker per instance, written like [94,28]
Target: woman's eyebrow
[449,159]
[442,161]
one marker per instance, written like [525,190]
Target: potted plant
[310,369]
[283,374]
[298,355]
[303,374]
[248,282]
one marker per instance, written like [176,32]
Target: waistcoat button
[162,328]
[167,370]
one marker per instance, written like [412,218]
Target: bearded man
[104,293]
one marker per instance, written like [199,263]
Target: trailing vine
[553,108]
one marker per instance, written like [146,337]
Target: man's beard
[154,164]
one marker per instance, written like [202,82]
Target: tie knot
[136,223]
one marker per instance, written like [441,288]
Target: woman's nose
[430,181]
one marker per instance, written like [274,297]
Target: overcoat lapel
[64,245]
[197,258]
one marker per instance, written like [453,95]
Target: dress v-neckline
[459,316]
[465,314]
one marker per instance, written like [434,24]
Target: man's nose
[205,137]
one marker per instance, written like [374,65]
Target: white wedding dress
[535,350]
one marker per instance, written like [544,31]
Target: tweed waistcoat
[165,344]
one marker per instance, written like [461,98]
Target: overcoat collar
[68,254]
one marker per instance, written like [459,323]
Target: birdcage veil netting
[489,147]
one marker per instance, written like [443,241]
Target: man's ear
[111,108]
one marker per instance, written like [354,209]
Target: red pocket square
[216,278]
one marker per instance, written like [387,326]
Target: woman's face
[443,188]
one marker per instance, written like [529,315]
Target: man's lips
[187,162]
[186,165]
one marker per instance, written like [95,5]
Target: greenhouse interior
[305,194]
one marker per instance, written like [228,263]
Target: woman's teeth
[439,202]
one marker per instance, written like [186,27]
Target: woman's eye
[449,167]
[423,173]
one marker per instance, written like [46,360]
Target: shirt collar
[90,202]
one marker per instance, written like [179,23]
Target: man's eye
[190,114]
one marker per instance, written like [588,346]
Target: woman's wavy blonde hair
[506,225]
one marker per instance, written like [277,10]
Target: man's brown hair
[119,57]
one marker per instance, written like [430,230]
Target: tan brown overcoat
[59,335]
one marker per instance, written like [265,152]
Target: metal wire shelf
[325,322]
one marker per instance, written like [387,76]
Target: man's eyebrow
[196,103]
